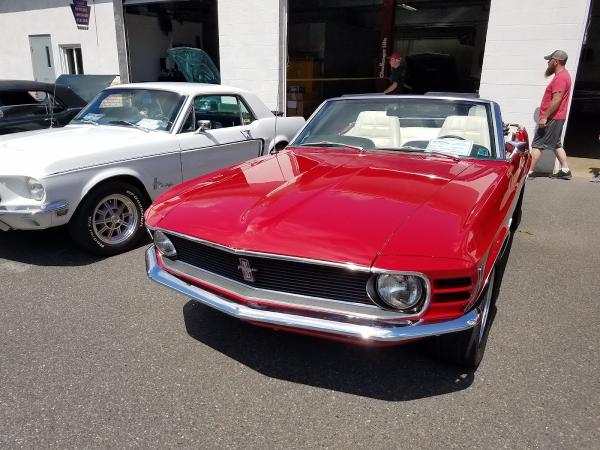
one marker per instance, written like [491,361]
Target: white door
[230,143]
[41,58]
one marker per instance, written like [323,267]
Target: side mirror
[203,125]
[514,146]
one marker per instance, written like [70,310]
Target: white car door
[224,139]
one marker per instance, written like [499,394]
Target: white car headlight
[164,244]
[400,292]
[36,189]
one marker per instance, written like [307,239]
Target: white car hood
[45,152]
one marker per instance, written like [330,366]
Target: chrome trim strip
[244,141]
[348,266]
[113,162]
[379,333]
[50,208]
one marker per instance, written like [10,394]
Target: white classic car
[132,142]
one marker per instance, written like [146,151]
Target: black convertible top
[63,93]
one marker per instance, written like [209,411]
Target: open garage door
[583,128]
[155,26]
[338,47]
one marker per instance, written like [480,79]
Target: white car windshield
[146,109]
[458,128]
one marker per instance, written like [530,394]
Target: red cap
[395,55]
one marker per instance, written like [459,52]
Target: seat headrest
[472,128]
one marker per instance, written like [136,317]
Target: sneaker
[561,175]
[595,179]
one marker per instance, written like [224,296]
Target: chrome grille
[313,280]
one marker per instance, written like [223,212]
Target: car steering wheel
[452,136]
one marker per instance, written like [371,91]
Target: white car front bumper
[32,218]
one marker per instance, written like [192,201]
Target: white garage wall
[520,33]
[249,47]
[21,18]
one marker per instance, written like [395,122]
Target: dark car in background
[31,105]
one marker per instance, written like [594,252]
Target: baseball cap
[395,55]
[559,55]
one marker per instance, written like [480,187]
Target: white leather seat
[418,134]
[477,110]
[377,126]
[471,128]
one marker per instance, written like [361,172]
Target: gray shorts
[548,138]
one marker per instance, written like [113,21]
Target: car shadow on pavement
[396,373]
[51,247]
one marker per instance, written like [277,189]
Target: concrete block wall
[21,18]
[249,47]
[520,33]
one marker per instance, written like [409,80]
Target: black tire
[466,348]
[110,219]
[501,267]
[518,214]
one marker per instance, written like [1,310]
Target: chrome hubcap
[115,219]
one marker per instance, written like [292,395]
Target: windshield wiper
[93,122]
[330,144]
[131,124]
[425,151]
[447,155]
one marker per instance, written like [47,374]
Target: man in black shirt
[396,75]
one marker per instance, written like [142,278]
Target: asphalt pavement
[94,355]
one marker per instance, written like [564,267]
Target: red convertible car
[388,219]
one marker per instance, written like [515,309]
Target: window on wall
[72,59]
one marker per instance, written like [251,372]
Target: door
[225,139]
[41,58]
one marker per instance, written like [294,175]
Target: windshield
[147,109]
[459,128]
[86,86]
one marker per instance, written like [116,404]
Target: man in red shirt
[553,113]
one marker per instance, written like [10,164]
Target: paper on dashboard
[452,146]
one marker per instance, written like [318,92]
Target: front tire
[466,348]
[110,220]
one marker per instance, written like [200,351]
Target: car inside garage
[153,27]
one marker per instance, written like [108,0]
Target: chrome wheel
[115,219]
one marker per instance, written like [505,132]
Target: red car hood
[333,205]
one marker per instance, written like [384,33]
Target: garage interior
[154,26]
[583,127]
[335,47]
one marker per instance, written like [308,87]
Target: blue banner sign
[81,13]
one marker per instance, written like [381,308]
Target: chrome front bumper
[31,218]
[384,332]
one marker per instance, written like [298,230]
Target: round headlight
[164,244]
[400,291]
[36,189]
